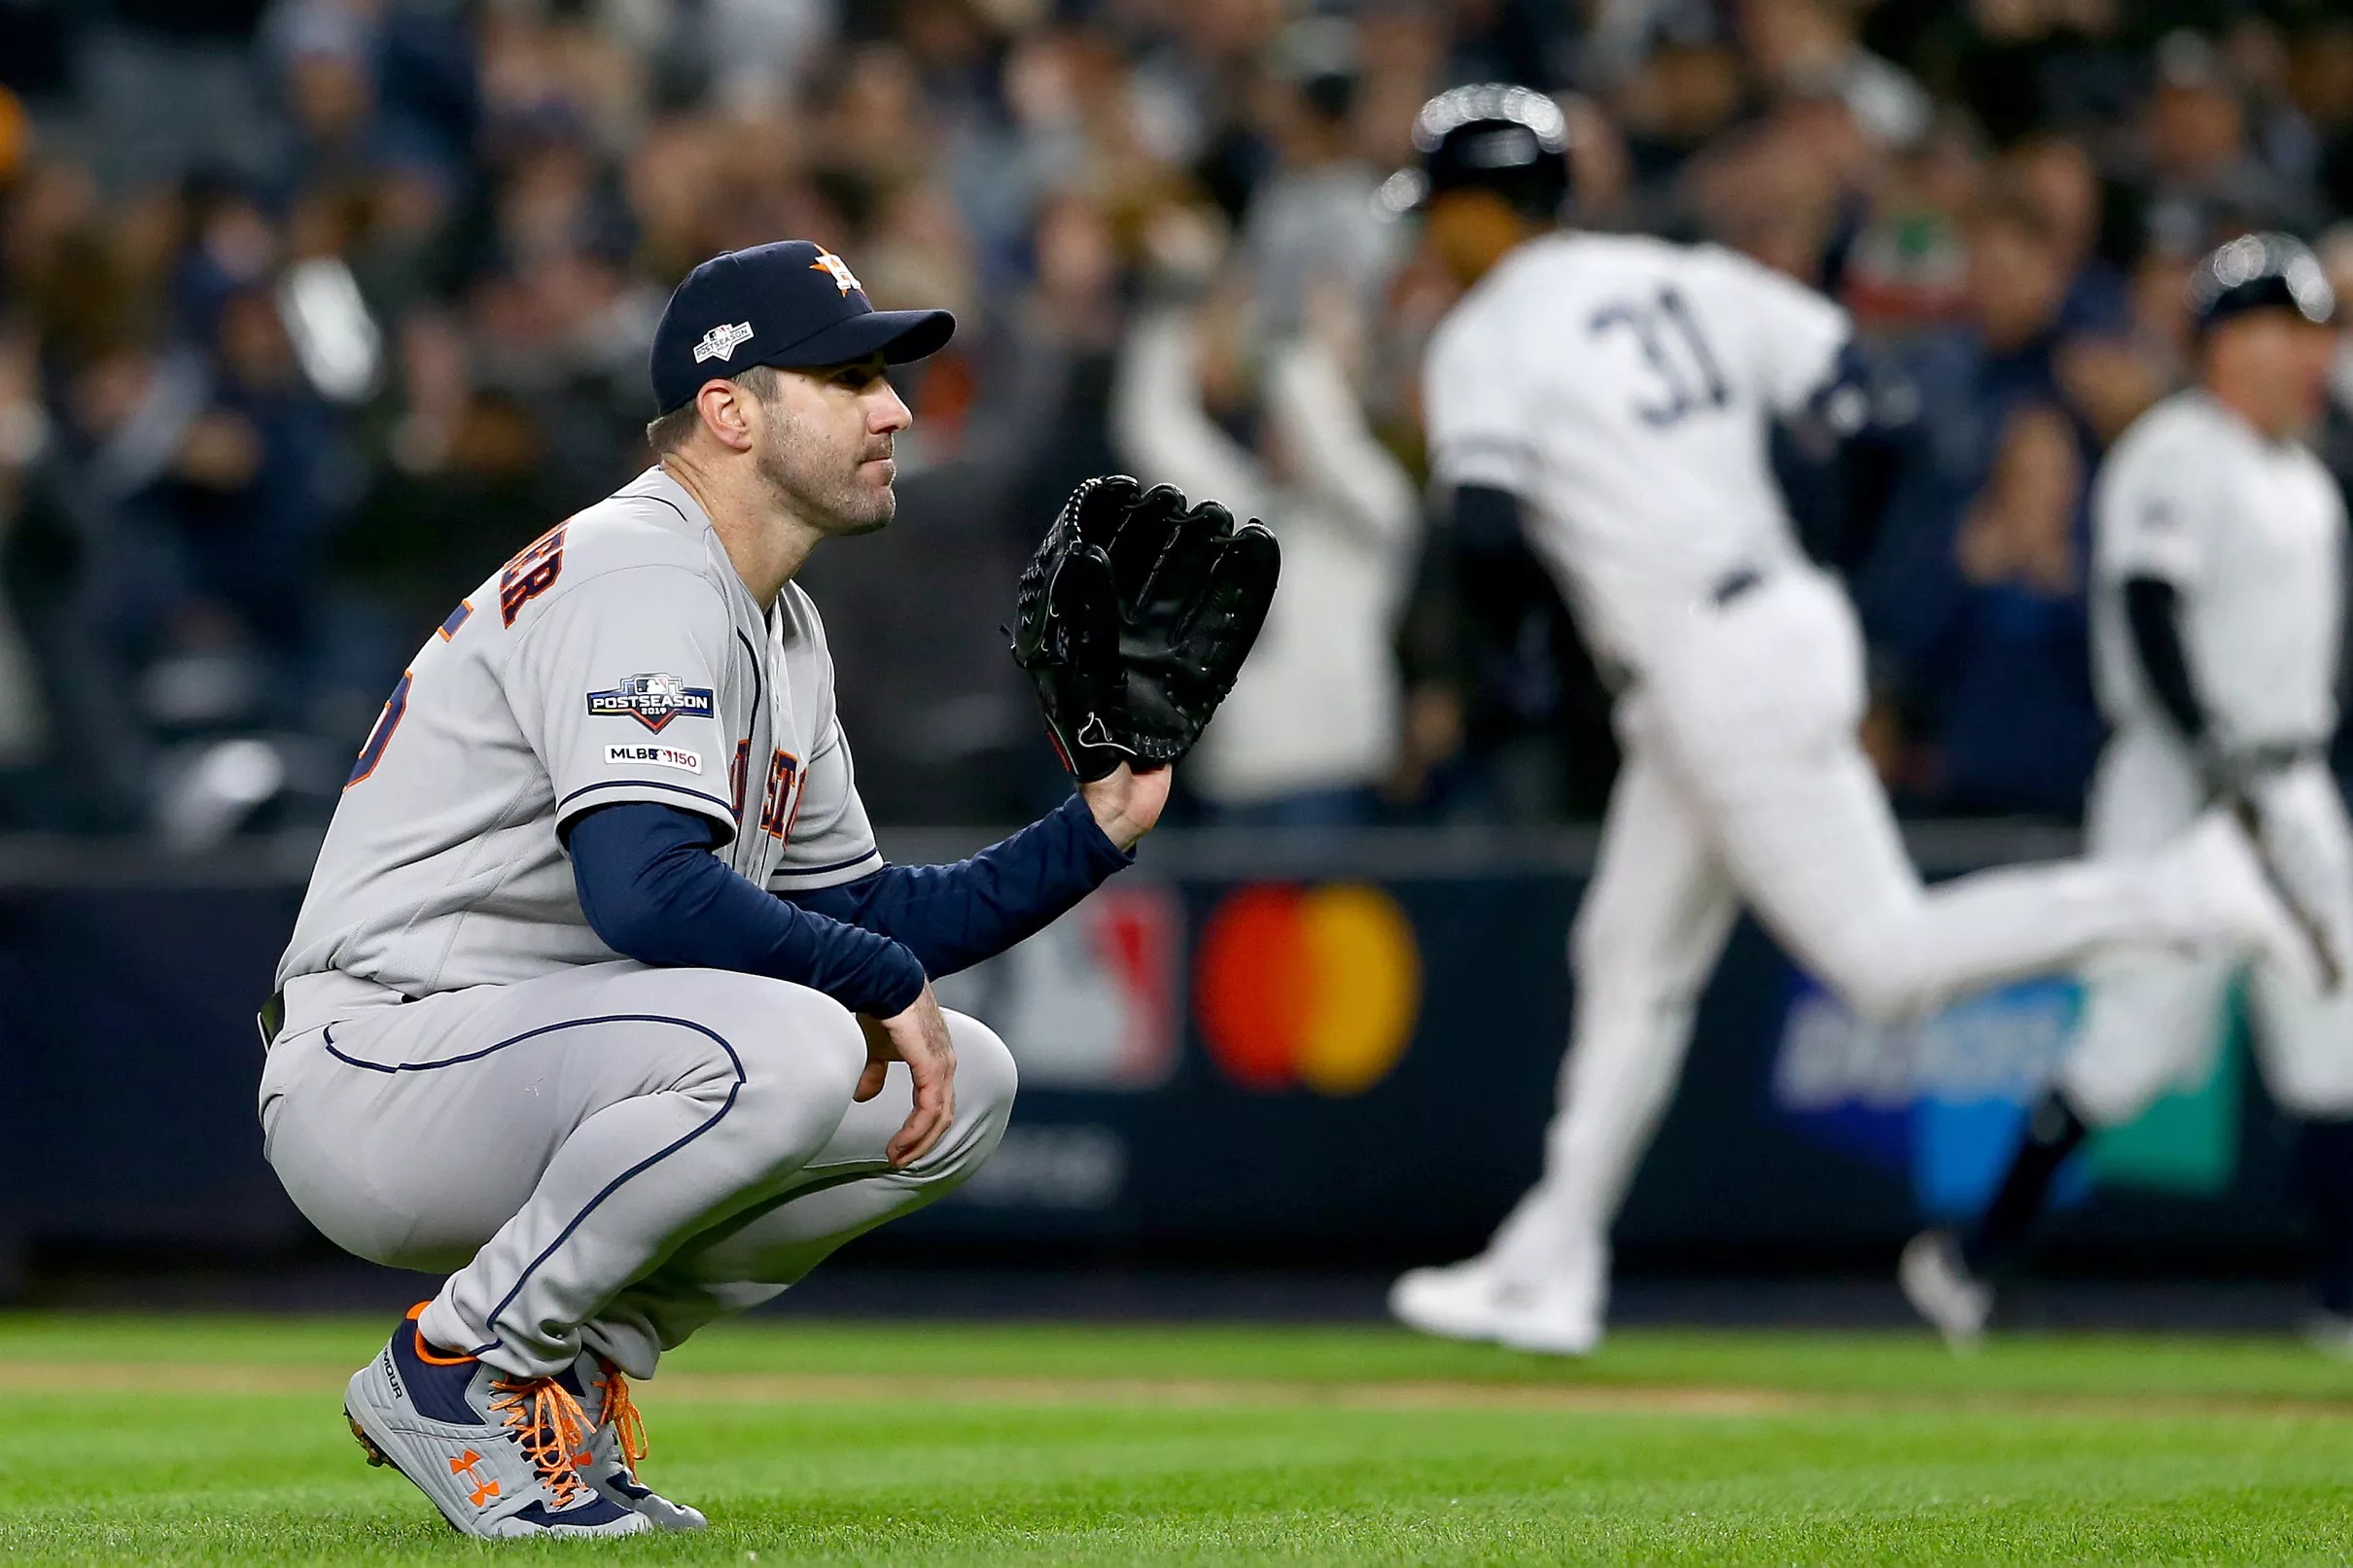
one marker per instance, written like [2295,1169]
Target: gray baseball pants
[609,1157]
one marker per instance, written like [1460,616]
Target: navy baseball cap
[790,304]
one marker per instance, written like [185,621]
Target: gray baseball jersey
[2250,531]
[617,658]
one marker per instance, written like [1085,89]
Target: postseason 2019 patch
[652,700]
[637,755]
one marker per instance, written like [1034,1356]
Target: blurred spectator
[2320,76]
[165,87]
[1311,724]
[1314,217]
[1909,265]
[1681,93]
[1999,640]
[1972,596]
[2018,65]
[2335,441]
[1808,47]
[1787,189]
[2196,171]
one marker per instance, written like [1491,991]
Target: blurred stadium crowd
[312,311]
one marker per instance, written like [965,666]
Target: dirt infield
[1204,1393]
[732,1388]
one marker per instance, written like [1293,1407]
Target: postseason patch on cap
[722,342]
[652,700]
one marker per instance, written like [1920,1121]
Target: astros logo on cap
[827,262]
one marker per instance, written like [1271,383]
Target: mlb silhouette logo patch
[652,700]
[640,754]
[722,342]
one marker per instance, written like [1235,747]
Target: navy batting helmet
[2261,272]
[1513,141]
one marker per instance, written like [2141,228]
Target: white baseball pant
[2153,1022]
[611,1155]
[1744,781]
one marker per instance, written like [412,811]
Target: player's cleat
[1471,1301]
[1456,1301]
[498,1456]
[2227,865]
[2329,1333]
[1940,1287]
[617,1442]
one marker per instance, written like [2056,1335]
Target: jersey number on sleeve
[1677,354]
[531,572]
[782,803]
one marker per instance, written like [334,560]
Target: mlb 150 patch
[652,700]
[638,755]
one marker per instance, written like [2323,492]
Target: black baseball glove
[1134,619]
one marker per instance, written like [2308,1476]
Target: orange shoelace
[619,1412]
[553,1429]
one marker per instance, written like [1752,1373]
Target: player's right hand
[918,1037]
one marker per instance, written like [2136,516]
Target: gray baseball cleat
[498,1456]
[1940,1287]
[617,1442]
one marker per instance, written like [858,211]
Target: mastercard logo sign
[1314,988]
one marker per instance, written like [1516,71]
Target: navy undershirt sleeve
[1857,438]
[952,917]
[1496,581]
[1487,520]
[2153,616]
[653,891]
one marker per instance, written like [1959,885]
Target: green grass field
[220,1440]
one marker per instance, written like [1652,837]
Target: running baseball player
[602,997]
[1611,397]
[2218,546]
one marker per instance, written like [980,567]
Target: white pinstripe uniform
[1623,388]
[2250,532]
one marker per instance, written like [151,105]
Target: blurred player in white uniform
[1611,397]
[2218,615]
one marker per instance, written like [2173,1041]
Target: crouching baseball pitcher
[602,995]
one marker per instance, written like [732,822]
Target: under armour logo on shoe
[722,342]
[485,1491]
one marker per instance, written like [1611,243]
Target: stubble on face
[815,467]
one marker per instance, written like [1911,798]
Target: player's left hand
[1134,619]
[919,1037]
[1127,803]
